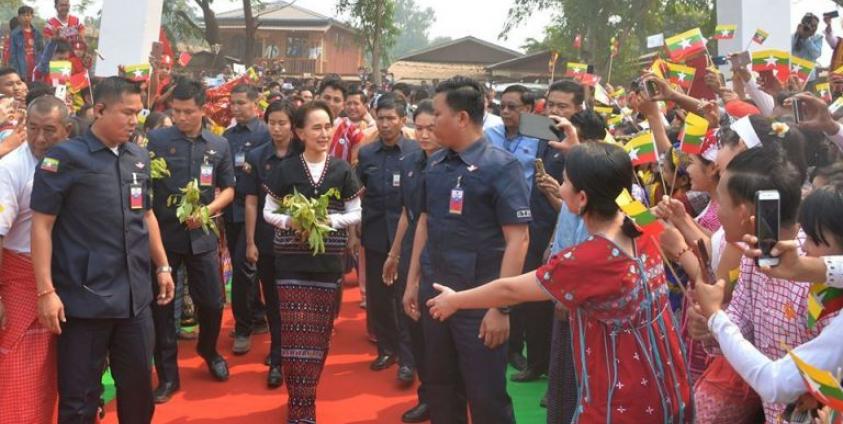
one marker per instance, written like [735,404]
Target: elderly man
[27,349]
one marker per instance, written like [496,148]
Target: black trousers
[82,349]
[267,276]
[246,305]
[460,369]
[205,287]
[380,305]
[532,324]
[410,336]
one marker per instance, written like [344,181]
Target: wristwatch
[164,269]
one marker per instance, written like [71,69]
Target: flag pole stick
[90,89]
[675,173]
[611,62]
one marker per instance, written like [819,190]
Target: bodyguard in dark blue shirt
[475,226]
[192,154]
[249,133]
[379,171]
[92,237]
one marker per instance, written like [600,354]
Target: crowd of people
[473,242]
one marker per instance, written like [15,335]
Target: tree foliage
[413,24]
[591,20]
[374,21]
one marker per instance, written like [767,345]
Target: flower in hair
[780,129]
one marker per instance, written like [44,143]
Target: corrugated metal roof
[470,50]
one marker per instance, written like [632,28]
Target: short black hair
[279,106]
[335,83]
[357,91]
[111,89]
[78,126]
[831,173]
[25,10]
[7,71]
[759,169]
[425,106]
[62,46]
[188,89]
[391,101]
[527,96]
[301,114]
[404,88]
[37,89]
[249,90]
[590,125]
[819,215]
[571,86]
[154,121]
[14,23]
[791,143]
[463,94]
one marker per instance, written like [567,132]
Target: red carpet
[349,393]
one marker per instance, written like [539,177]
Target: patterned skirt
[307,302]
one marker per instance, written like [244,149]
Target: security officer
[249,133]
[379,171]
[475,226]
[192,154]
[517,99]
[93,233]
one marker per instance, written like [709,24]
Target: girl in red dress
[628,355]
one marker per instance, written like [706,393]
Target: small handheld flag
[760,36]
[821,384]
[725,32]
[801,68]
[681,75]
[695,130]
[60,71]
[139,72]
[777,61]
[822,301]
[685,45]
[575,70]
[635,210]
[824,91]
[642,149]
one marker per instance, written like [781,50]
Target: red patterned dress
[627,352]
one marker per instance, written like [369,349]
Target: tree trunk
[376,44]
[251,29]
[212,29]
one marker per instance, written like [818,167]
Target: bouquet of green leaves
[310,216]
[158,167]
[190,205]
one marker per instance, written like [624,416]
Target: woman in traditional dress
[627,351]
[307,283]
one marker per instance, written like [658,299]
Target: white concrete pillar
[127,32]
[772,16]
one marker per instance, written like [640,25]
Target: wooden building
[306,42]
[468,56]
[534,67]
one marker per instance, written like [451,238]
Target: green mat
[525,399]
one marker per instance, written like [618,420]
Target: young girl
[627,352]
[307,283]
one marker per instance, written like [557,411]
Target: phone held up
[767,223]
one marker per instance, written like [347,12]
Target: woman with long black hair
[627,352]
[307,283]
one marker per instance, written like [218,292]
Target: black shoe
[406,375]
[218,368]
[260,328]
[418,414]
[164,392]
[382,362]
[518,361]
[275,378]
[529,374]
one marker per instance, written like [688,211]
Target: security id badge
[206,175]
[240,159]
[457,198]
[136,196]
[396,180]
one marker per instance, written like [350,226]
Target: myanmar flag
[681,75]
[777,61]
[60,71]
[801,68]
[635,210]
[694,133]
[760,36]
[138,72]
[79,82]
[685,45]
[824,91]
[823,300]
[821,384]
[576,70]
[614,121]
[725,32]
[642,149]
[601,95]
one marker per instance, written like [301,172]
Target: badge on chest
[457,198]
[206,175]
[135,194]
[396,179]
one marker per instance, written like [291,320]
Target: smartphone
[833,14]
[767,222]
[157,50]
[705,263]
[720,60]
[539,126]
[651,89]
[741,59]
[797,110]
[539,164]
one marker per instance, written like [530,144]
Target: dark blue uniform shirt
[544,216]
[466,249]
[100,265]
[413,166]
[260,163]
[379,170]
[242,138]
[185,159]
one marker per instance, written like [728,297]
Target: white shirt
[17,171]
[490,120]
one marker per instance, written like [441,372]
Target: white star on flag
[771,61]
[685,44]
[795,68]
[633,154]
[138,73]
[65,72]
[681,76]
[725,32]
